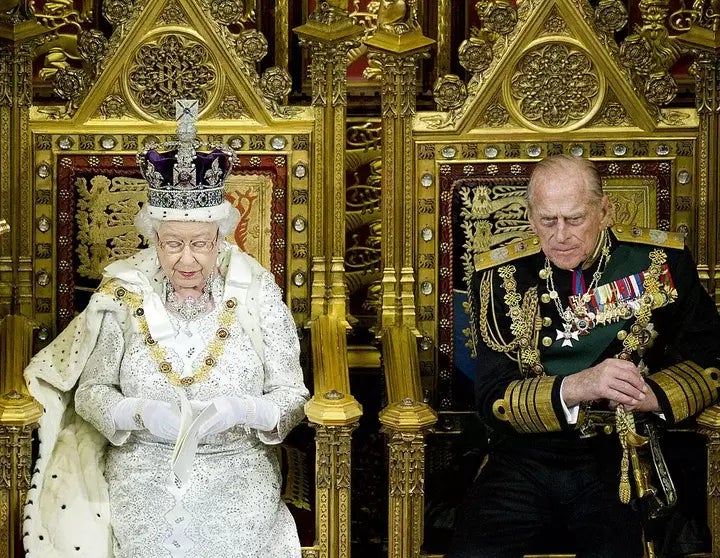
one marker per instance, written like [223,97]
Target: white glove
[253,412]
[160,418]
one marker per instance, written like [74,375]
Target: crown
[184,182]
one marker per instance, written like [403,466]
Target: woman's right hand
[160,418]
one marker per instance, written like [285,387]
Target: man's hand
[615,380]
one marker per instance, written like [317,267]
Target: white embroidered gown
[231,506]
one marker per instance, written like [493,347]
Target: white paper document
[188,437]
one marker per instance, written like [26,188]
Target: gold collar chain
[158,353]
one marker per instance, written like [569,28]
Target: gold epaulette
[504,254]
[640,235]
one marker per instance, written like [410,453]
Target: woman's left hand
[253,412]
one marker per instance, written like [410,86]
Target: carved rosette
[475,55]
[70,84]
[227,12]
[610,16]
[117,12]
[555,24]
[496,116]
[251,45]
[635,53]
[92,46]
[614,114]
[175,67]
[660,89]
[173,14]
[450,92]
[498,16]
[275,83]
[554,85]
[231,108]
[113,106]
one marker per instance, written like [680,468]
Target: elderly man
[580,321]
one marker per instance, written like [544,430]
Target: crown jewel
[185,183]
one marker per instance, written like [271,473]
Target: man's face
[565,218]
[187,252]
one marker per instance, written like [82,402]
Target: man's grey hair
[568,165]
[148,226]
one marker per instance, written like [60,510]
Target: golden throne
[542,78]
[77,160]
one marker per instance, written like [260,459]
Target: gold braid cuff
[528,407]
[688,388]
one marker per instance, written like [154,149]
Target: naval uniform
[544,472]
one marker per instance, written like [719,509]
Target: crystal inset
[300,170]
[43,224]
[534,150]
[491,152]
[448,151]
[43,170]
[426,287]
[577,150]
[299,224]
[299,278]
[662,149]
[278,142]
[426,180]
[684,176]
[108,142]
[65,142]
[620,149]
[42,278]
[426,234]
[236,142]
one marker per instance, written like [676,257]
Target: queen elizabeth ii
[165,397]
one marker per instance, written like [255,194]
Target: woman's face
[188,252]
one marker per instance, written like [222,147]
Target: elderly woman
[188,365]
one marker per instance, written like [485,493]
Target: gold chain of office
[159,354]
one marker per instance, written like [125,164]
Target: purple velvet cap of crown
[178,185]
[164,163]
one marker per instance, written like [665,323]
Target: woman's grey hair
[567,165]
[148,227]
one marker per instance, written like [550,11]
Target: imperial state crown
[186,183]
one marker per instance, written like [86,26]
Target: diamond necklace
[190,308]
[575,317]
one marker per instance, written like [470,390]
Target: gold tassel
[622,427]
[625,478]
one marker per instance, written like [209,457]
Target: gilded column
[18,31]
[19,413]
[406,421]
[709,425]
[334,413]
[707,94]
[398,45]
[329,34]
